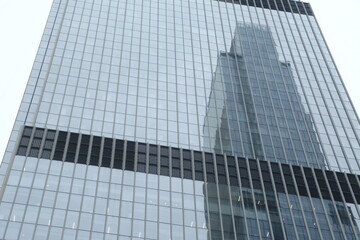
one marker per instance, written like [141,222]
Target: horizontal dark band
[188,164]
[280,5]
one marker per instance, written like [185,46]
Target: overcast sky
[22,23]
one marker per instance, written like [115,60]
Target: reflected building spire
[254,109]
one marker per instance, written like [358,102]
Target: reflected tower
[254,108]
[255,111]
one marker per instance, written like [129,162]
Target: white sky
[22,23]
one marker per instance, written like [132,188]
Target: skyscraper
[182,120]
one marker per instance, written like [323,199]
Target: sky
[22,23]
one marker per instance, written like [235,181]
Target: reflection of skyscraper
[255,111]
[254,107]
[125,96]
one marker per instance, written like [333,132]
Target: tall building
[190,119]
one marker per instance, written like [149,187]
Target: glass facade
[191,119]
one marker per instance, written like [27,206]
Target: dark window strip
[281,5]
[184,163]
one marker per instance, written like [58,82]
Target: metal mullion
[109,188]
[290,103]
[241,197]
[157,84]
[182,190]
[52,150]
[167,89]
[147,158]
[253,200]
[77,149]
[295,67]
[31,138]
[122,184]
[111,61]
[134,188]
[320,199]
[230,196]
[194,191]
[220,200]
[110,177]
[218,195]
[138,66]
[42,143]
[241,88]
[202,58]
[260,92]
[240,85]
[311,203]
[194,73]
[185,82]
[266,203]
[85,179]
[87,83]
[176,78]
[299,200]
[120,64]
[277,198]
[287,200]
[322,203]
[108,79]
[66,146]
[54,146]
[170,191]
[232,87]
[158,153]
[88,156]
[135,161]
[210,60]
[206,196]
[222,82]
[146,188]
[101,64]
[128,72]
[334,127]
[99,74]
